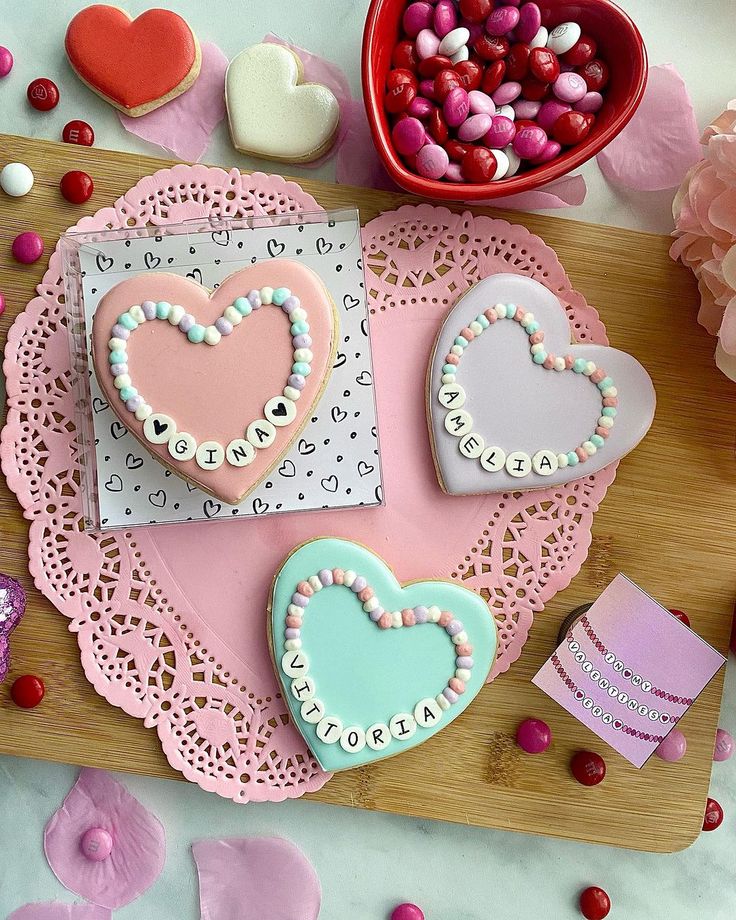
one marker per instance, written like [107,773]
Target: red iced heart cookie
[216,387]
[135,64]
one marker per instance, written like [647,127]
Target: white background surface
[368,862]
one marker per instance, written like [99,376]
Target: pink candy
[673,748]
[591,102]
[526,108]
[408,136]
[456,107]
[417,16]
[481,103]
[530,19]
[420,107]
[6,61]
[502,20]
[474,127]
[407,912]
[550,112]
[530,142]
[570,87]
[445,17]
[533,736]
[27,247]
[427,43]
[501,133]
[432,161]
[506,93]
[550,150]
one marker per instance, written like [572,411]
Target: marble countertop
[367,861]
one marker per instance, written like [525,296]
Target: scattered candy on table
[588,768]
[16,179]
[673,748]
[459,64]
[27,691]
[76,186]
[681,616]
[78,132]
[27,247]
[533,736]
[6,61]
[723,747]
[407,912]
[713,815]
[96,844]
[594,903]
[43,94]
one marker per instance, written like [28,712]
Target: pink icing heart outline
[13,597]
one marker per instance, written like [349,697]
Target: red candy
[581,52]
[43,94]
[595,74]
[681,616]
[27,691]
[479,165]
[476,10]
[491,47]
[517,61]
[399,98]
[571,128]
[76,186]
[456,150]
[544,65]
[594,903]
[588,768]
[493,77]
[399,76]
[470,73]
[431,66]
[405,55]
[445,82]
[534,90]
[438,127]
[713,815]
[78,132]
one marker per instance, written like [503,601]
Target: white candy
[508,111]
[462,674]
[233,316]
[514,160]
[540,39]
[454,41]
[292,645]
[537,347]
[210,455]
[502,165]
[460,638]
[563,37]
[371,604]
[605,422]
[562,461]
[493,459]
[182,446]
[298,314]
[518,464]
[609,391]
[240,452]
[544,462]
[292,393]
[136,312]
[559,363]
[448,378]
[442,702]
[122,380]
[378,736]
[590,368]
[475,327]
[352,739]
[451,396]
[261,434]
[16,180]
[471,445]
[303,688]
[458,422]
[462,54]
[313,710]
[117,344]
[433,614]
[314,583]
[527,318]
[457,350]
[402,726]
[158,428]
[590,448]
[212,335]
[329,729]
[175,314]
[303,354]
[396,621]
[143,412]
[295,611]
[280,411]
[349,578]
[295,664]
[427,713]
[266,294]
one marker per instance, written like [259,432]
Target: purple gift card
[629,670]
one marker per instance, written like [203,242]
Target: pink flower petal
[139,845]
[722,154]
[357,160]
[184,125]
[710,314]
[564,192]
[725,362]
[55,910]
[727,332]
[317,70]
[660,143]
[724,124]
[255,878]
[728,268]
[722,213]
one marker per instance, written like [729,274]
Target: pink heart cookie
[217,386]
[513,405]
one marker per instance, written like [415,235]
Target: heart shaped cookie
[134,64]
[370,668]
[513,405]
[216,387]
[272,113]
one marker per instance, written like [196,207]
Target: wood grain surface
[668,521]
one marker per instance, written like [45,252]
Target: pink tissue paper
[184,125]
[660,143]
[55,910]
[139,845]
[255,878]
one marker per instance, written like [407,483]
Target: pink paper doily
[190,660]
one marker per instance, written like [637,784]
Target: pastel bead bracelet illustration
[459,422]
[402,725]
[279,411]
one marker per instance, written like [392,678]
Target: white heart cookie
[271,113]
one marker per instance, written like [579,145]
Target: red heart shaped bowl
[620,45]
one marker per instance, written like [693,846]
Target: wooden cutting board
[669,522]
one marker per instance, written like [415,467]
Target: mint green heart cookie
[370,668]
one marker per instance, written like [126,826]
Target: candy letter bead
[16,180]
[240,452]
[493,459]
[471,445]
[427,713]
[312,711]
[563,37]
[352,739]
[458,422]
[451,396]
[329,729]
[295,664]
[302,688]
[402,726]
[533,736]
[158,428]
[280,411]
[544,462]
[378,736]
[210,455]
[182,446]
[518,464]
[261,434]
